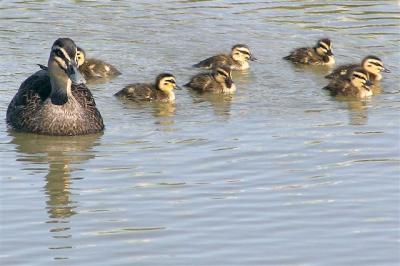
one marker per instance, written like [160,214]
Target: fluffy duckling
[356,84]
[320,54]
[92,68]
[372,64]
[95,68]
[161,91]
[56,101]
[217,81]
[238,59]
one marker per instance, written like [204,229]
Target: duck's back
[95,68]
[31,109]
[303,56]
[138,91]
[342,71]
[28,100]
[342,87]
[204,82]
[221,59]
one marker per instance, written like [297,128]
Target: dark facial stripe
[170,80]
[376,64]
[222,73]
[244,52]
[360,77]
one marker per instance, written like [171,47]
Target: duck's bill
[252,58]
[178,87]
[385,70]
[228,82]
[74,75]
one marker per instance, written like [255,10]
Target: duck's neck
[171,95]
[60,86]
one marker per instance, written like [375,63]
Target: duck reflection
[61,154]
[221,103]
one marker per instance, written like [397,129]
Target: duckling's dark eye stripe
[170,80]
[244,52]
[222,73]
[376,64]
[360,77]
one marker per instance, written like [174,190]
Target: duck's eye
[59,53]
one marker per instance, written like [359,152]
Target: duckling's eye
[221,73]
[360,77]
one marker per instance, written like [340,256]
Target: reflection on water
[317,175]
[62,155]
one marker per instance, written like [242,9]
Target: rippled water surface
[278,174]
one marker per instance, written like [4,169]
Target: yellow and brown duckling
[161,90]
[219,80]
[372,64]
[55,101]
[238,59]
[95,68]
[355,84]
[320,54]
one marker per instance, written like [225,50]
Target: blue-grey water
[280,173]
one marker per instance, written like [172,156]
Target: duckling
[217,81]
[372,64]
[92,68]
[56,101]
[95,68]
[238,59]
[320,54]
[161,91]
[356,84]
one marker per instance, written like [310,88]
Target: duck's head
[373,65]
[166,82]
[63,70]
[223,74]
[359,78]
[324,47]
[63,61]
[80,55]
[241,53]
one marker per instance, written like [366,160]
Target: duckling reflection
[357,110]
[220,103]
[59,153]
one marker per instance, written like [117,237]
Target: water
[278,174]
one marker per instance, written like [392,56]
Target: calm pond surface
[278,174]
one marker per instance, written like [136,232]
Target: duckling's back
[203,82]
[342,71]
[138,91]
[303,56]
[221,59]
[95,68]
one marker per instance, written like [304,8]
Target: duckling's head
[359,78]
[241,53]
[223,74]
[324,47]
[81,56]
[373,65]
[166,82]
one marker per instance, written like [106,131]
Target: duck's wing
[200,82]
[95,68]
[300,55]
[27,101]
[137,91]
[213,61]
[341,71]
[85,98]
